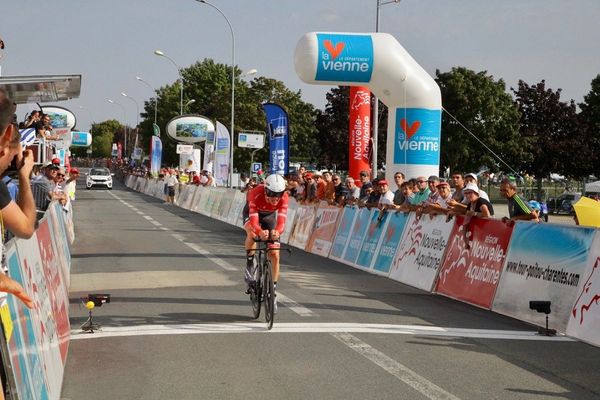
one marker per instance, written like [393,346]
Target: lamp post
[137,116]
[162,54]
[232,89]
[189,103]
[91,118]
[125,121]
[375,123]
[155,96]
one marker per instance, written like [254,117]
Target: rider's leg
[249,244]
[274,257]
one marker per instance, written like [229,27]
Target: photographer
[19,217]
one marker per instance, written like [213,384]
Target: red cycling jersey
[258,204]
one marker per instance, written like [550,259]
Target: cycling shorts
[267,219]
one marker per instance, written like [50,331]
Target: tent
[592,187]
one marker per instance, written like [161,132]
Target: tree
[105,134]
[484,108]
[550,126]
[589,133]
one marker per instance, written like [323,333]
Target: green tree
[589,132]
[484,108]
[550,126]
[104,135]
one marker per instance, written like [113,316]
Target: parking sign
[256,167]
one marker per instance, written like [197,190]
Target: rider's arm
[253,212]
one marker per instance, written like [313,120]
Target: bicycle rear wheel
[269,295]
[256,293]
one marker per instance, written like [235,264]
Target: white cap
[472,187]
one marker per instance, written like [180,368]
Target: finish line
[284,327]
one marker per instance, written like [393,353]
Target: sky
[110,42]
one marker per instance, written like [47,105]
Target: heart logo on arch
[409,130]
[334,51]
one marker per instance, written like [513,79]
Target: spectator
[399,194]
[472,178]
[329,188]
[244,179]
[518,209]
[172,182]
[340,190]
[18,217]
[477,206]
[44,187]
[374,195]
[292,185]
[458,183]
[250,185]
[366,186]
[432,183]
[353,192]
[440,206]
[386,199]
[321,187]
[311,189]
[423,191]
[32,119]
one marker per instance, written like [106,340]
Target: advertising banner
[323,233]
[344,57]
[390,241]
[291,220]
[81,139]
[305,218]
[544,262]
[342,235]
[61,119]
[209,153]
[359,229]
[221,165]
[190,129]
[584,321]
[474,258]
[278,129]
[421,250]
[370,244]
[359,131]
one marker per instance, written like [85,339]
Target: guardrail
[35,341]
[484,262]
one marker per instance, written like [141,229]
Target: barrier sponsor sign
[421,250]
[544,262]
[323,234]
[305,219]
[370,244]
[343,232]
[291,220]
[359,229]
[474,258]
[584,321]
[390,240]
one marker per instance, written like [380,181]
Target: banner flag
[421,250]
[209,153]
[279,146]
[27,136]
[221,165]
[359,131]
[544,262]
[155,155]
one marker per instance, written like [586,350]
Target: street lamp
[192,101]
[137,116]
[155,96]
[162,54]
[232,89]
[125,121]
[91,118]
[376,100]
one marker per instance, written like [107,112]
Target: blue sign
[81,139]
[417,136]
[390,241]
[279,148]
[256,166]
[344,58]
[359,229]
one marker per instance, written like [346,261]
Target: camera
[14,165]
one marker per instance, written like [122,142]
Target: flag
[221,164]
[278,129]
[209,153]
[27,136]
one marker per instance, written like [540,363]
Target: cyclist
[265,214]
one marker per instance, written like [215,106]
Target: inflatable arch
[378,61]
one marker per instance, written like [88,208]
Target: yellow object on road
[587,211]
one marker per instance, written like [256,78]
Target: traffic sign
[256,166]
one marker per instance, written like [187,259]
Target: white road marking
[149,218]
[327,327]
[221,263]
[177,236]
[294,306]
[140,213]
[156,223]
[405,374]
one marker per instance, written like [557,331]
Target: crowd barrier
[483,262]
[37,339]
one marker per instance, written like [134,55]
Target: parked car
[563,204]
[99,177]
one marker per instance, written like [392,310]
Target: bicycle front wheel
[269,295]
[256,293]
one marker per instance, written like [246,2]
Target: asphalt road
[180,327]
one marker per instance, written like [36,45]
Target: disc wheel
[269,296]
[256,294]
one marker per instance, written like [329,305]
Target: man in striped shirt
[518,209]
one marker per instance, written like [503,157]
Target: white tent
[593,187]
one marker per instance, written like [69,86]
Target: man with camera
[18,217]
